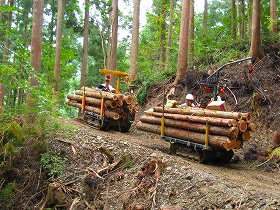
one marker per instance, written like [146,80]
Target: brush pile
[228,130]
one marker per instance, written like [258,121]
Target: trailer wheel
[125,128]
[205,156]
[103,125]
[228,155]
[122,129]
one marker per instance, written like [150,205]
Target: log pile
[116,106]
[227,130]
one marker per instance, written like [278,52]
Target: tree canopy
[216,46]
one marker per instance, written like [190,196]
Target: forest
[52,48]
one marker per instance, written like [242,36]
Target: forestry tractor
[205,134]
[102,109]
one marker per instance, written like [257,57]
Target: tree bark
[6,49]
[231,132]
[199,119]
[191,36]
[36,59]
[85,45]
[107,113]
[92,101]
[58,46]
[273,17]
[243,25]
[183,42]
[256,50]
[205,16]
[214,140]
[169,36]
[112,62]
[162,31]
[233,20]
[98,94]
[134,42]
[201,112]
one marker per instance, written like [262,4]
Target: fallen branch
[109,167]
[89,206]
[76,200]
[272,154]
[96,174]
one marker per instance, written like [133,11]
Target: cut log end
[242,125]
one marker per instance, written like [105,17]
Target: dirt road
[181,183]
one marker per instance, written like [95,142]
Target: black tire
[103,125]
[172,148]
[205,156]
[228,156]
[125,128]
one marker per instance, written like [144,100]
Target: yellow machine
[116,73]
[99,119]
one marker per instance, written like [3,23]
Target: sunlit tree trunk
[205,15]
[249,18]
[243,29]
[6,50]
[233,20]
[162,49]
[256,50]
[1,14]
[183,42]
[26,9]
[169,38]
[114,41]
[58,46]
[191,35]
[134,42]
[85,45]
[273,16]
[2,85]
[36,60]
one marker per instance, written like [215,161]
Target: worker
[171,103]
[106,86]
[189,101]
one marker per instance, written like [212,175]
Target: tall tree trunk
[169,38]
[233,20]
[6,50]
[58,46]
[85,45]
[2,85]
[243,29]
[114,43]
[1,14]
[36,60]
[191,35]
[162,18]
[273,16]
[134,42]
[249,18]
[183,42]
[26,10]
[256,50]
[205,16]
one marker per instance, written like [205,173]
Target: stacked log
[116,106]
[227,130]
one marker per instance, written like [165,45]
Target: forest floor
[136,171]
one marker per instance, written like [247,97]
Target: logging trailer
[114,110]
[204,134]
